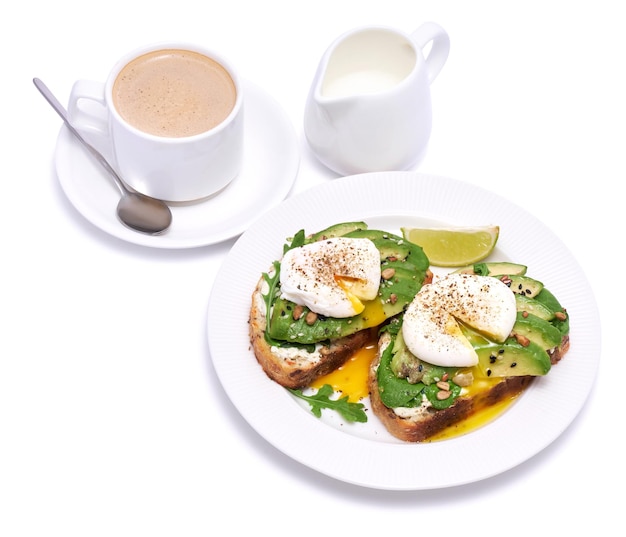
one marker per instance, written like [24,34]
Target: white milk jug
[369,106]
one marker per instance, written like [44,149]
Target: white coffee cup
[170,115]
[369,106]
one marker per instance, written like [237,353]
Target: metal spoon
[137,211]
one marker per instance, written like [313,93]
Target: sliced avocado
[394,391]
[561,317]
[392,250]
[372,234]
[547,298]
[337,230]
[401,287]
[376,234]
[402,264]
[405,364]
[531,305]
[522,285]
[512,359]
[538,330]
[495,268]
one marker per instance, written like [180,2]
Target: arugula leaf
[270,297]
[299,239]
[349,411]
[481,269]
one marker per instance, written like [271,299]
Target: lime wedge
[454,246]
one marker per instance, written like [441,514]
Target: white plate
[365,454]
[271,161]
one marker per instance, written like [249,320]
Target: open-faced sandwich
[318,305]
[448,346]
[468,341]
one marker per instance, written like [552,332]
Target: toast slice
[293,350]
[420,424]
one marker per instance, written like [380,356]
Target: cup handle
[87,108]
[438,54]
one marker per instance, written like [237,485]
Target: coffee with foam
[174,93]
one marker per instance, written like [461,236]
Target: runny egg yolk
[351,380]
[475,421]
[348,284]
[483,414]
[373,313]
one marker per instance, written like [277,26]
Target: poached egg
[431,328]
[332,277]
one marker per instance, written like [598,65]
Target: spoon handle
[64,116]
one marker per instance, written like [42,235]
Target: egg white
[332,277]
[431,329]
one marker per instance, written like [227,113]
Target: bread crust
[297,370]
[430,421]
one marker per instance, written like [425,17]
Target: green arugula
[272,282]
[349,411]
[482,269]
[299,239]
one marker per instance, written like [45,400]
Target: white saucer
[271,162]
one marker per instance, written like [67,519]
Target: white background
[112,421]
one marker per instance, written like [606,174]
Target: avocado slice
[538,330]
[336,230]
[405,364]
[495,268]
[531,305]
[561,317]
[395,391]
[390,249]
[522,285]
[512,359]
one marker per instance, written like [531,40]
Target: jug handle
[438,54]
